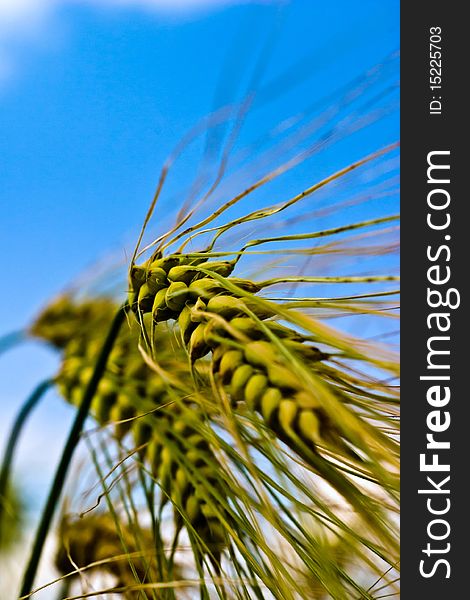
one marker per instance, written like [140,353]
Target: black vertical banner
[435,203]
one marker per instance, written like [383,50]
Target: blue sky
[93,97]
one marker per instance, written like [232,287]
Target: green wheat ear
[95,542]
[164,428]
[253,358]
[138,402]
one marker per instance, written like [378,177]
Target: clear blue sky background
[93,97]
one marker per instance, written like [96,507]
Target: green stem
[71,444]
[11,339]
[13,438]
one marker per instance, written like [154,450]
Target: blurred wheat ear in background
[243,431]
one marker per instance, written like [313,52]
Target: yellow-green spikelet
[257,374]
